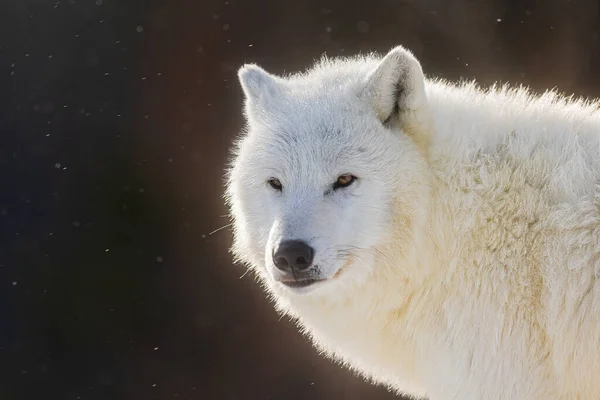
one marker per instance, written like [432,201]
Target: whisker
[219,229]
[359,252]
[245,273]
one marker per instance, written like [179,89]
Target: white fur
[465,261]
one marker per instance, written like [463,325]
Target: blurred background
[115,122]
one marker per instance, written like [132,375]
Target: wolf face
[328,158]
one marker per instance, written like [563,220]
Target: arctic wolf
[440,239]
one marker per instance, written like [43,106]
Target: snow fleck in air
[50,56]
[106,250]
[249,45]
[499,20]
[156,348]
[159,259]
[106,74]
[26,54]
[328,29]
[154,385]
[57,165]
[139,29]
[225,27]
[159,74]
[14,283]
[98,2]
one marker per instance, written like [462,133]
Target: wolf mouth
[300,283]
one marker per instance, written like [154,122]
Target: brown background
[115,121]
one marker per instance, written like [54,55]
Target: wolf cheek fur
[462,259]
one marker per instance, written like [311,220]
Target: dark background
[115,123]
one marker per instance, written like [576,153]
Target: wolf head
[329,170]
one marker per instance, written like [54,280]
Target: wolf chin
[440,239]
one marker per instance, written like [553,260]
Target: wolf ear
[258,85]
[396,91]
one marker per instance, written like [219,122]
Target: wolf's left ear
[396,91]
[258,85]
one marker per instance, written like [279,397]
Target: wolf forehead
[316,116]
[331,133]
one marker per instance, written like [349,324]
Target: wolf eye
[344,181]
[275,184]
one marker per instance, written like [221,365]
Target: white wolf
[440,239]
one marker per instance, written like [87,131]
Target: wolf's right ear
[258,85]
[396,91]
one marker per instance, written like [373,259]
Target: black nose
[293,255]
